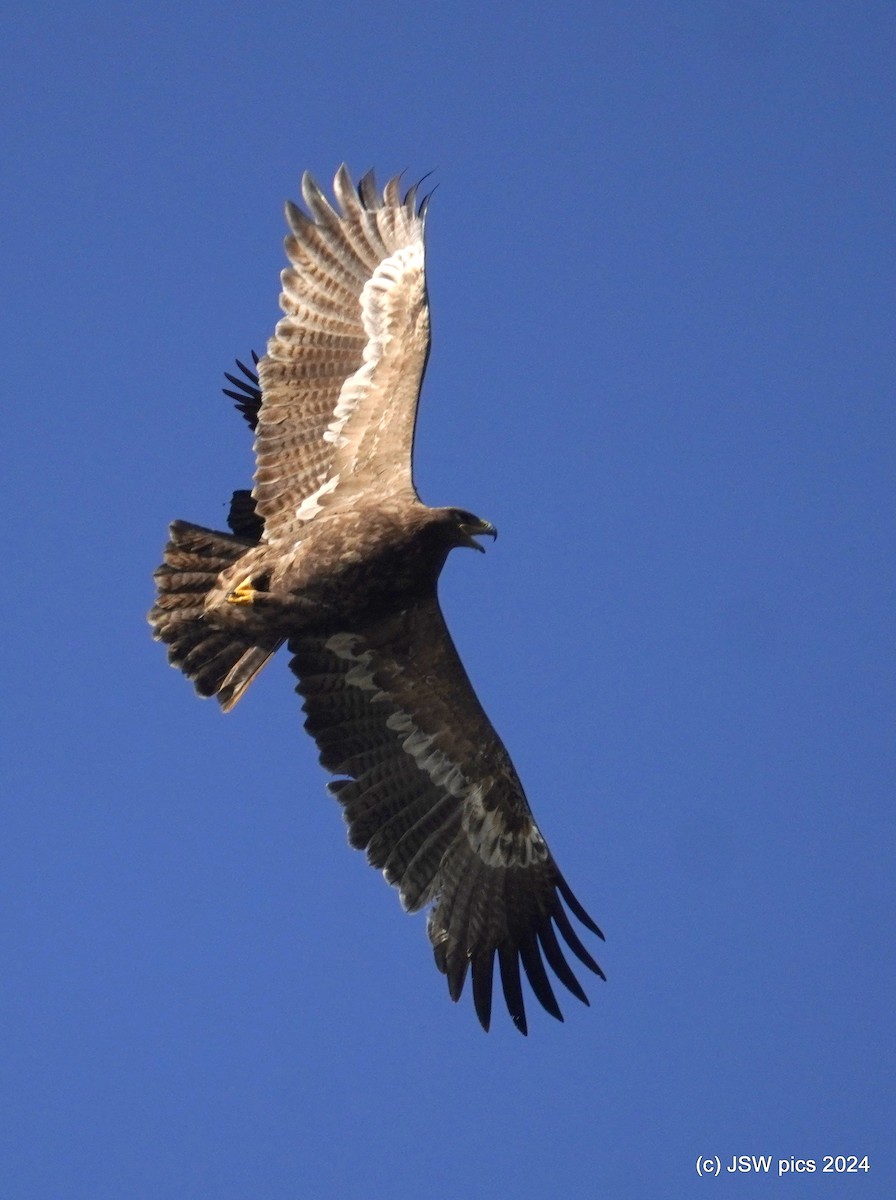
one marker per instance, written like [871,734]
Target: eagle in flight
[334,554]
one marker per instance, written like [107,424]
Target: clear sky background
[661,275]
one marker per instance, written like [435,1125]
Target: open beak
[479,529]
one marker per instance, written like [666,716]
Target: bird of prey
[334,554]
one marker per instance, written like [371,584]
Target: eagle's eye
[462,517]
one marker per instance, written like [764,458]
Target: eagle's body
[349,566]
[334,554]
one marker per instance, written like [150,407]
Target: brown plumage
[333,553]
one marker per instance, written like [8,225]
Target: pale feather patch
[484,828]
[361,674]
[400,269]
[490,839]
[310,506]
[420,746]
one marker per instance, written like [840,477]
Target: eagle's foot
[245,593]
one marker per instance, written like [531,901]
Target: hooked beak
[480,529]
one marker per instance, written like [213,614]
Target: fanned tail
[218,662]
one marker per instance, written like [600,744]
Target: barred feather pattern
[342,374]
[429,792]
[213,659]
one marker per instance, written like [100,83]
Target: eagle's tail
[219,662]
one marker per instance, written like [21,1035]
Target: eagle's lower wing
[431,794]
[243,518]
[342,373]
[247,393]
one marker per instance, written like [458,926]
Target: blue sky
[661,274]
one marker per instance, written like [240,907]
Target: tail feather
[242,673]
[218,662]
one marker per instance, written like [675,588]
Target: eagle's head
[464,527]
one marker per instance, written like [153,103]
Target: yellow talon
[244,594]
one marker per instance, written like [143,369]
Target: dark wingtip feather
[509,964]
[425,202]
[456,972]
[440,954]
[538,977]
[558,963]
[247,397]
[483,978]
[410,196]
[576,908]
[251,375]
[572,940]
[367,192]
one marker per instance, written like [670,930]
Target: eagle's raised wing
[342,374]
[431,794]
